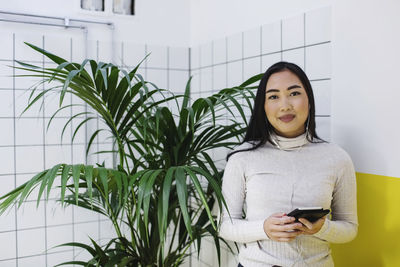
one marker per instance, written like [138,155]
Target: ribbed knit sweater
[294,174]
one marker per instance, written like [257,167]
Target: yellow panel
[378,240]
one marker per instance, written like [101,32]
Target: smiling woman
[282,165]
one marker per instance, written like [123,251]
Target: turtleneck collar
[285,143]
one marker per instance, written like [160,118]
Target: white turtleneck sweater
[272,179]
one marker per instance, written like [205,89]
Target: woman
[283,165]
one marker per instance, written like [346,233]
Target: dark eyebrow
[289,88]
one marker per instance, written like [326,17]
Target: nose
[285,104]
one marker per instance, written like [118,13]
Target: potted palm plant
[164,183]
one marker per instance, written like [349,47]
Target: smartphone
[312,214]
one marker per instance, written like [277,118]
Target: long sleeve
[233,227]
[344,223]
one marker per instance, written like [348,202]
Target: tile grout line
[44,153]
[72,156]
[15,156]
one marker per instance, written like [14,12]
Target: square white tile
[178,58]
[322,97]
[235,46]
[32,261]
[7,47]
[57,235]
[7,222]
[55,213]
[55,129]
[57,258]
[206,55]
[59,45]
[7,160]
[318,61]
[251,67]
[29,159]
[25,53]
[219,77]
[158,77]
[235,74]
[318,25]
[7,245]
[178,80]
[133,54]
[22,101]
[271,37]
[206,79]
[268,60]
[7,134]
[252,42]
[195,82]
[29,131]
[78,49]
[194,57]
[295,56]
[219,51]
[6,103]
[6,73]
[323,127]
[31,242]
[157,57]
[57,154]
[30,216]
[79,154]
[83,231]
[106,52]
[293,32]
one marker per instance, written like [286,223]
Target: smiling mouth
[287,118]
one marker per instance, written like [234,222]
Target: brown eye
[295,93]
[273,97]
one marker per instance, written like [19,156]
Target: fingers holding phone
[282,228]
[309,228]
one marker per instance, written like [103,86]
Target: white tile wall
[158,57]
[219,51]
[295,56]
[32,261]
[235,47]
[6,51]
[133,54]
[252,43]
[235,74]
[271,37]
[177,80]
[318,63]
[7,133]
[219,77]
[293,32]
[318,25]
[322,96]
[6,103]
[206,55]
[30,216]
[7,245]
[178,58]
[25,245]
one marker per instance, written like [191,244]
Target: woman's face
[286,104]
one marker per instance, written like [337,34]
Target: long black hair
[259,129]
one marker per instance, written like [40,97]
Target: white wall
[366,88]
[155,22]
[215,19]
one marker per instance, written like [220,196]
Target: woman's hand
[309,228]
[282,228]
